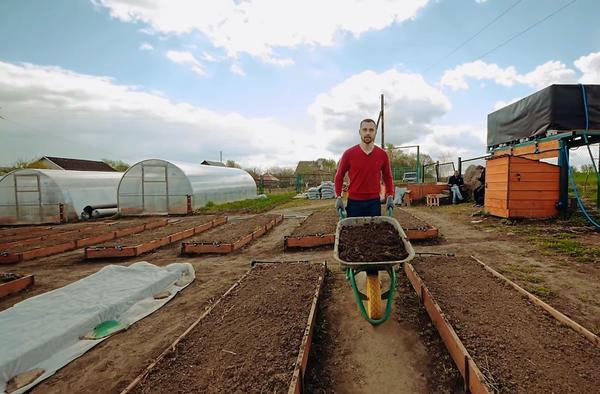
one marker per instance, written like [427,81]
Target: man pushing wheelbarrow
[366,165]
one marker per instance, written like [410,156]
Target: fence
[297,183]
[583,165]
[437,172]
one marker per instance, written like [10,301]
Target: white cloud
[412,105]
[237,70]
[146,47]
[207,57]
[53,111]
[259,27]
[542,76]
[187,58]
[453,141]
[589,65]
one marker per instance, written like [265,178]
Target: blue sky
[271,82]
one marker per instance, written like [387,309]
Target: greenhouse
[161,187]
[36,196]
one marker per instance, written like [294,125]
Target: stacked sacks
[313,193]
[327,190]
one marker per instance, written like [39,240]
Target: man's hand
[389,203]
[339,204]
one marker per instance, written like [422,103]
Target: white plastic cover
[162,187]
[31,196]
[44,331]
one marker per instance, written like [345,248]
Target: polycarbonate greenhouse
[36,196]
[161,187]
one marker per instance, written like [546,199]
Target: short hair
[368,120]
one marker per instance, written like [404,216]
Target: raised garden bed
[232,236]
[255,339]
[70,241]
[414,227]
[13,283]
[371,242]
[502,338]
[42,233]
[137,244]
[316,230]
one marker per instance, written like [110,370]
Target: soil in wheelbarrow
[174,226]
[516,344]
[376,241]
[233,231]
[322,222]
[249,342]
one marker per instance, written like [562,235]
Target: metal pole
[418,166]
[459,165]
[382,124]
[221,156]
[563,163]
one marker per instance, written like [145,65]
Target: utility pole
[382,124]
[221,156]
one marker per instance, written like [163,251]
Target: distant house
[269,180]
[213,163]
[313,173]
[63,163]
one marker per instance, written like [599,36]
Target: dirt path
[571,287]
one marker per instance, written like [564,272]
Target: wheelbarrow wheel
[374,302]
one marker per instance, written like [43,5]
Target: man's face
[456,173]
[367,132]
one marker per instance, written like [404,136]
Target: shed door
[155,192]
[28,198]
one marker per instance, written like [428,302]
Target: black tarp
[557,107]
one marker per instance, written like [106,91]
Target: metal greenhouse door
[28,198]
[155,189]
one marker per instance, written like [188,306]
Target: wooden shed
[517,187]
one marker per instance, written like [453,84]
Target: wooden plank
[500,212]
[297,384]
[204,227]
[178,236]
[48,250]
[532,213]
[130,230]
[309,241]
[10,258]
[242,241]
[109,252]
[152,245]
[536,195]
[533,177]
[495,203]
[220,220]
[259,232]
[496,194]
[415,234]
[543,155]
[200,248]
[96,239]
[537,186]
[14,286]
[593,338]
[524,204]
[499,177]
[496,186]
[536,167]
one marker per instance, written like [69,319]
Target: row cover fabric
[44,331]
[557,107]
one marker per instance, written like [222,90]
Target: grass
[522,273]
[542,291]
[566,243]
[253,205]
[587,185]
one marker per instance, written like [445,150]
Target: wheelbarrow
[374,313]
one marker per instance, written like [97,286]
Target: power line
[465,42]
[525,30]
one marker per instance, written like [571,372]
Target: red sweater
[365,172]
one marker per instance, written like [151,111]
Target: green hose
[390,298]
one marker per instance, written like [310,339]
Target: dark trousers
[479,194]
[363,208]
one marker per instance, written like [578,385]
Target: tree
[232,164]
[118,165]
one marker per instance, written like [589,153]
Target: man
[455,182]
[479,192]
[365,164]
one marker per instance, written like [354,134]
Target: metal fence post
[459,165]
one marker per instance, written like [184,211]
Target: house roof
[213,163]
[79,164]
[270,178]
[310,167]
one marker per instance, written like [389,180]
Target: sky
[270,82]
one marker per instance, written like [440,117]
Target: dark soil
[233,231]
[441,373]
[249,343]
[9,277]
[517,346]
[174,226]
[37,232]
[68,236]
[321,222]
[371,242]
[409,221]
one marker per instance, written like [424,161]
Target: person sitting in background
[455,182]
[479,192]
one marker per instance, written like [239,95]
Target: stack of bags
[313,193]
[327,191]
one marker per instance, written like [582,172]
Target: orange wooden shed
[518,187]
